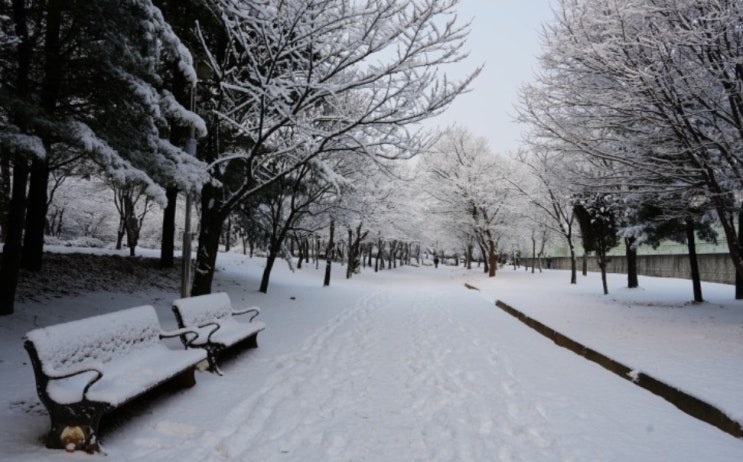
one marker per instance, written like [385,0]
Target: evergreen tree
[84,75]
[597,217]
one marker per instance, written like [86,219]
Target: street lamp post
[203,72]
[187,238]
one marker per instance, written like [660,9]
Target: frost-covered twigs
[650,95]
[300,81]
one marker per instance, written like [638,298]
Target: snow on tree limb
[119,169]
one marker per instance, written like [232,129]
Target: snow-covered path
[441,375]
[377,383]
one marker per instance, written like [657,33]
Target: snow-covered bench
[89,367]
[212,317]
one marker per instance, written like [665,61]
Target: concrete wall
[713,267]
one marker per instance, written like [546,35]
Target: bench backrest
[198,310]
[97,338]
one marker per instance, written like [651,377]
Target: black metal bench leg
[75,427]
[212,352]
[253,341]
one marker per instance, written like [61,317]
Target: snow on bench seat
[91,366]
[213,318]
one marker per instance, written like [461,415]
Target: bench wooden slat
[97,338]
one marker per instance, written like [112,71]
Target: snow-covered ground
[409,365]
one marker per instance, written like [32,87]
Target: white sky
[505,37]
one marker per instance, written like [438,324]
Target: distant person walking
[435,262]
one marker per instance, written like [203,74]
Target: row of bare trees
[637,106]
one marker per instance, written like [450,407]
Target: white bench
[213,319]
[91,366]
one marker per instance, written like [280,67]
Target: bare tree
[133,205]
[649,93]
[301,79]
[551,193]
[467,185]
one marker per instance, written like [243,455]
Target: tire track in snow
[389,379]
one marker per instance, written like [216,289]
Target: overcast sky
[505,37]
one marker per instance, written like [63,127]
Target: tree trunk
[17,206]
[120,234]
[573,263]
[206,256]
[696,280]
[379,253]
[329,254]
[270,259]
[726,220]
[601,255]
[33,237]
[738,272]
[300,246]
[178,137]
[278,237]
[492,258]
[132,234]
[131,224]
[317,252]
[541,254]
[228,234]
[533,253]
[354,250]
[631,255]
[167,240]
[485,257]
[4,193]
[13,244]
[351,256]
[585,264]
[210,230]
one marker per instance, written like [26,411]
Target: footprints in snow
[392,376]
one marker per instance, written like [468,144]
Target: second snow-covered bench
[89,367]
[213,318]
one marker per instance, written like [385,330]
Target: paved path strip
[685,402]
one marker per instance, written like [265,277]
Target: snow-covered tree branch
[297,80]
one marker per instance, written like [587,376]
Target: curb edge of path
[687,403]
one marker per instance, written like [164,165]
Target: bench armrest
[216,325]
[189,333]
[94,367]
[253,309]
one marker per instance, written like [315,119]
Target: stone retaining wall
[713,267]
